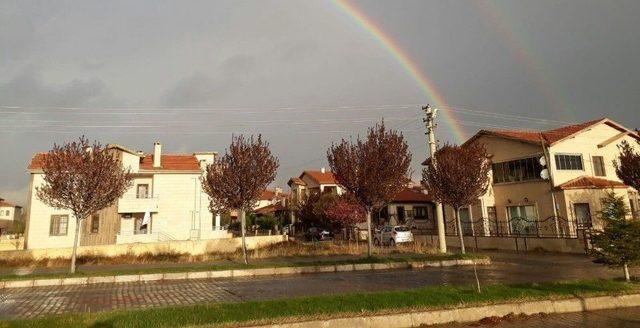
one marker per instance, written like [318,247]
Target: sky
[304,74]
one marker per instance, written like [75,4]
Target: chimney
[157,154]
[322,170]
[278,191]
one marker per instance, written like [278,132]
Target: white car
[391,235]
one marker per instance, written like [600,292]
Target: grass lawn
[288,262]
[330,306]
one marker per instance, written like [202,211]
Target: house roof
[551,136]
[296,180]
[4,203]
[587,182]
[412,195]
[320,177]
[171,162]
[271,209]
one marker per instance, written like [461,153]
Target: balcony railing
[138,205]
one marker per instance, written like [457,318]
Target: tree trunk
[243,228]
[369,235]
[458,223]
[75,246]
[627,277]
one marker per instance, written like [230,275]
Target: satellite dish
[543,161]
[544,174]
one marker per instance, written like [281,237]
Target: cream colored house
[578,164]
[165,203]
[9,213]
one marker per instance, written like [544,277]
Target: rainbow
[501,23]
[427,86]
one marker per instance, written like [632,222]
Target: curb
[471,314]
[235,273]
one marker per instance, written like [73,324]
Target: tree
[373,170]
[235,180]
[628,165]
[83,179]
[457,176]
[618,243]
[345,212]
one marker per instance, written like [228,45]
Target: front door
[583,215]
[400,211]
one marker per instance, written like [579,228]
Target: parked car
[391,235]
[318,234]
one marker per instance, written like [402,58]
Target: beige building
[9,213]
[165,202]
[577,161]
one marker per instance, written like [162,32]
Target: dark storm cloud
[499,56]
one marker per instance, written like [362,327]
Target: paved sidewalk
[506,268]
[617,318]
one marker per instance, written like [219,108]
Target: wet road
[506,268]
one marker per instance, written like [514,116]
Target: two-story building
[548,182]
[166,202]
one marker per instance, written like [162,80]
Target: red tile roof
[412,195]
[4,203]
[271,209]
[171,163]
[586,182]
[168,162]
[321,178]
[267,195]
[550,136]
[36,161]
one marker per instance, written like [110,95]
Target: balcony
[138,205]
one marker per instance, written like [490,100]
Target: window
[522,219]
[569,162]
[59,225]
[491,212]
[143,191]
[517,170]
[420,212]
[139,228]
[95,223]
[598,166]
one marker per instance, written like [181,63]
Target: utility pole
[430,125]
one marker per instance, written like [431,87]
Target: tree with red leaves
[236,180]
[458,176]
[83,179]
[373,170]
[345,212]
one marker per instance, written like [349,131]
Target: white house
[166,202]
[8,214]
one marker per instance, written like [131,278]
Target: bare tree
[235,180]
[628,165]
[83,179]
[457,176]
[373,170]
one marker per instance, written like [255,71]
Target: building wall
[107,230]
[593,197]
[39,221]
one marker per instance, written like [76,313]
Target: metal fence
[550,227]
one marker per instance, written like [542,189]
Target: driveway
[506,268]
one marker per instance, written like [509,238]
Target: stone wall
[195,247]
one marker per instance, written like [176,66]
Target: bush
[266,222]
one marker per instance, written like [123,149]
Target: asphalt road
[506,268]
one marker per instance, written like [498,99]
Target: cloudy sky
[302,73]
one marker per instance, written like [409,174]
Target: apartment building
[166,202]
[549,182]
